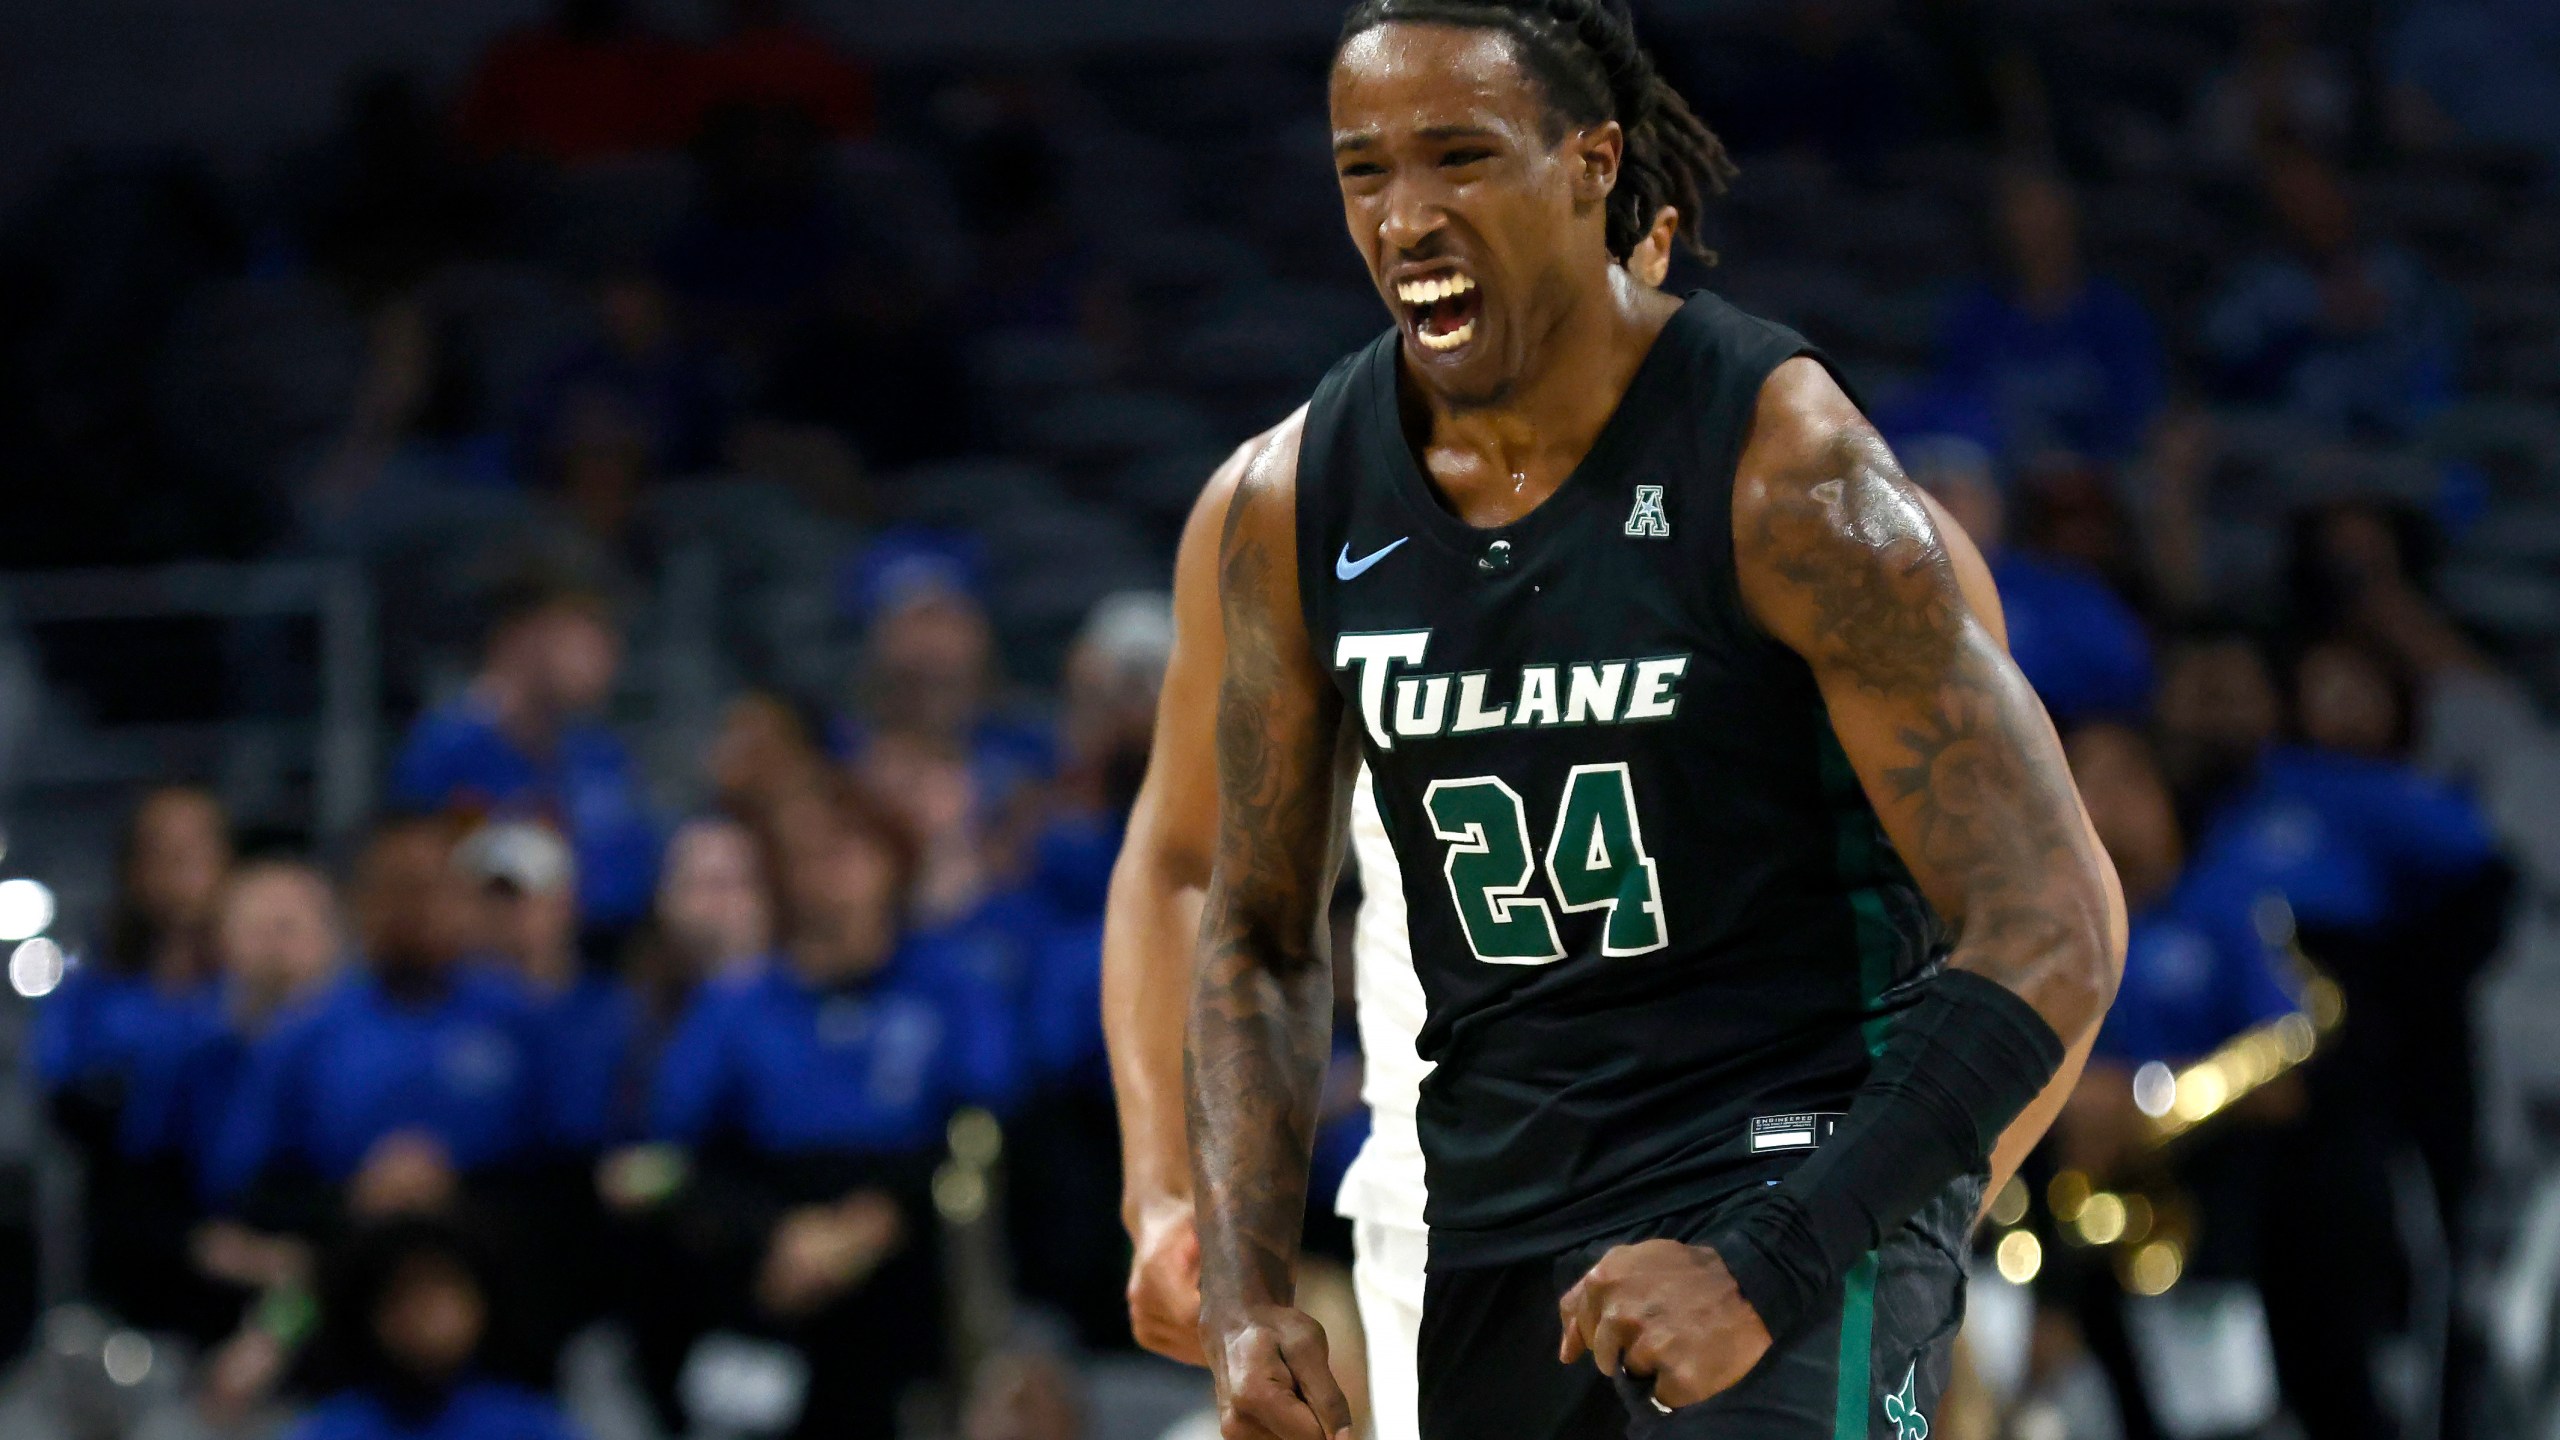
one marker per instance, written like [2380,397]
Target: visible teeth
[1450,341]
[1431,292]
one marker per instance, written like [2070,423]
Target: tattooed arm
[1262,1015]
[1840,559]
[1149,931]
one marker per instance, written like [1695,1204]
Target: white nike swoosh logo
[1346,568]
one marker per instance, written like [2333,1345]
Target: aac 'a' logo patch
[1647,521]
[1902,1407]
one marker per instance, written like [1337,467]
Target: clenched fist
[1274,1379]
[1164,1280]
[1667,1310]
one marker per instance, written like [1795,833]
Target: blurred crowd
[547,1055]
[764,1034]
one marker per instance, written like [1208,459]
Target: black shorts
[1868,1365]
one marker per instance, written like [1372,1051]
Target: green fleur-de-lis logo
[1902,1407]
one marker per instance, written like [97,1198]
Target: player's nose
[1409,224]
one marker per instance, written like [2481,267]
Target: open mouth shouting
[1440,309]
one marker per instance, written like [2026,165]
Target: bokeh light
[26,908]
[36,968]
[2020,1255]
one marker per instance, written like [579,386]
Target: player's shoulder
[1263,489]
[1805,432]
[1209,512]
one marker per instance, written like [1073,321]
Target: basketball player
[1685,738]
[1147,975]
[1148,935]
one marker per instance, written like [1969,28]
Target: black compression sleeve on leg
[1959,1067]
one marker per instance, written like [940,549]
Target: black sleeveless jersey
[1653,913]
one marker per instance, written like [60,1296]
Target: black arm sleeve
[1960,1066]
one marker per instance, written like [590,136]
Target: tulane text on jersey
[1589,693]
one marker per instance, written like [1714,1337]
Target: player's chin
[1471,373]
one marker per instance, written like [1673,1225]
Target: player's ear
[1596,152]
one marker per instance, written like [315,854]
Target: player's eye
[1362,170]
[1456,159]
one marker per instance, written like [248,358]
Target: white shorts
[1387,1263]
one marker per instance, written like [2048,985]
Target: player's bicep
[1841,560]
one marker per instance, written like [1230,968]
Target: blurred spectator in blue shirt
[154,963]
[2395,886]
[2345,332]
[2355,840]
[104,1040]
[2068,360]
[811,1097]
[929,740]
[522,741]
[2079,644]
[412,1344]
[280,942]
[401,1084]
[2198,973]
[527,917]
[2198,969]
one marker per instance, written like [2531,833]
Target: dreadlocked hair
[1586,55]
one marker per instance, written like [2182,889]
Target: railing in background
[335,595]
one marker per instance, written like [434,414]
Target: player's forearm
[1261,1027]
[1150,928]
[2028,1130]
[2025,1132]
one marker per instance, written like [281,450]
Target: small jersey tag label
[1792,1132]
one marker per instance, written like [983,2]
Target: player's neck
[1496,462]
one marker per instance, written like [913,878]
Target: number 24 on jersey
[1595,860]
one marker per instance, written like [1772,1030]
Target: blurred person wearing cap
[526,888]
[404,1084]
[597,1034]
[2081,646]
[523,741]
[807,1100]
[927,735]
